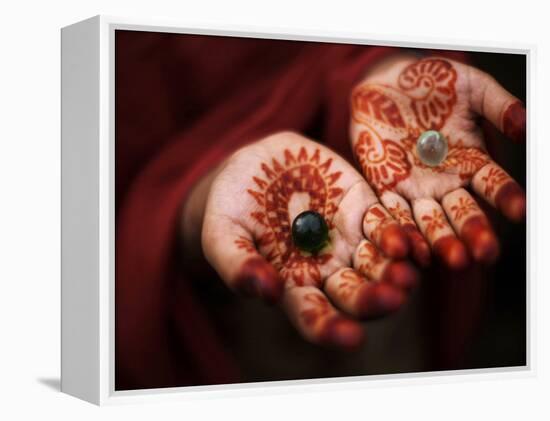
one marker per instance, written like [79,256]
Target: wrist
[192,215]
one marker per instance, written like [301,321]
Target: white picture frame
[87,359]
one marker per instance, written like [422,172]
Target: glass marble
[432,148]
[310,231]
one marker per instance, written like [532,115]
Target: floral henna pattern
[297,173]
[384,163]
[435,222]
[373,104]
[463,160]
[495,178]
[466,161]
[464,207]
[389,120]
[430,85]
[403,215]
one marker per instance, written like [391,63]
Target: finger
[499,189]
[318,321]
[369,262]
[471,224]
[398,207]
[436,229]
[385,232]
[232,253]
[495,103]
[360,297]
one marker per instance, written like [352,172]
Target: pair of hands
[399,206]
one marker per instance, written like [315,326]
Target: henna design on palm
[430,84]
[389,112]
[247,238]
[280,181]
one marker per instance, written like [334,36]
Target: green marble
[310,231]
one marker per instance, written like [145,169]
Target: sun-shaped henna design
[430,85]
[297,173]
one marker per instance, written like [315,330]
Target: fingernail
[394,242]
[481,240]
[420,248]
[514,122]
[511,201]
[375,300]
[258,278]
[343,333]
[452,252]
[401,274]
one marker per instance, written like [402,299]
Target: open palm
[247,238]
[392,108]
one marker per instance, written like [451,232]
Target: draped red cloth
[183,103]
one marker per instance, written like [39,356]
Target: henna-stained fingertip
[394,242]
[514,122]
[420,248]
[343,333]
[258,278]
[402,275]
[376,300]
[480,239]
[452,251]
[511,201]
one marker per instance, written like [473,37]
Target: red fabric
[183,103]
